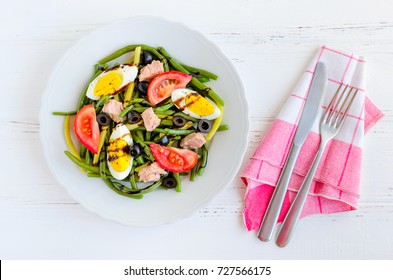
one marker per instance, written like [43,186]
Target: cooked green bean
[176,175]
[82,152]
[114,188]
[223,127]
[117,53]
[181,114]
[168,131]
[166,123]
[201,72]
[132,182]
[102,163]
[130,48]
[203,161]
[98,175]
[164,107]
[69,113]
[81,164]
[151,187]
[102,101]
[125,111]
[87,157]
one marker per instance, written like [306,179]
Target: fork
[330,124]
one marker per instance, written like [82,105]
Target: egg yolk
[199,105]
[108,84]
[118,155]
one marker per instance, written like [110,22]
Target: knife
[309,115]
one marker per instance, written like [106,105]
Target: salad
[144,122]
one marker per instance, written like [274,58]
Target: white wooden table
[273,39]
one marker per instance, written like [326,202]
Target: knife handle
[273,210]
[293,215]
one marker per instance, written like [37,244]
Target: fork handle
[296,208]
[273,210]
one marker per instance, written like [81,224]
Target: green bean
[140,135]
[193,173]
[164,107]
[130,48]
[174,131]
[87,157]
[166,123]
[201,72]
[139,109]
[140,160]
[82,151]
[102,101]
[125,111]
[223,127]
[58,113]
[151,187]
[176,175]
[165,113]
[181,114]
[195,82]
[81,163]
[168,131]
[98,175]
[203,161]
[127,191]
[117,53]
[203,79]
[114,188]
[102,163]
[132,182]
[137,55]
[141,101]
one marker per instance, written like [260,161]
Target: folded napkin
[336,183]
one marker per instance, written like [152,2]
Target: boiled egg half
[112,81]
[118,154]
[194,104]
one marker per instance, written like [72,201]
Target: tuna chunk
[150,120]
[113,108]
[151,173]
[193,140]
[151,70]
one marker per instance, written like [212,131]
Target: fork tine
[334,114]
[342,117]
[338,112]
[329,110]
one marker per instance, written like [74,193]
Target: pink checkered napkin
[336,183]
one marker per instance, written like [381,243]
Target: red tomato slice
[87,129]
[174,159]
[163,84]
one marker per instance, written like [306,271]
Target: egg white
[120,132]
[179,99]
[128,73]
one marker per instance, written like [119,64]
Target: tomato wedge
[87,129]
[163,84]
[174,159]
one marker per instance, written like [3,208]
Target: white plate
[68,80]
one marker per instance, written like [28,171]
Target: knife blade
[309,114]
